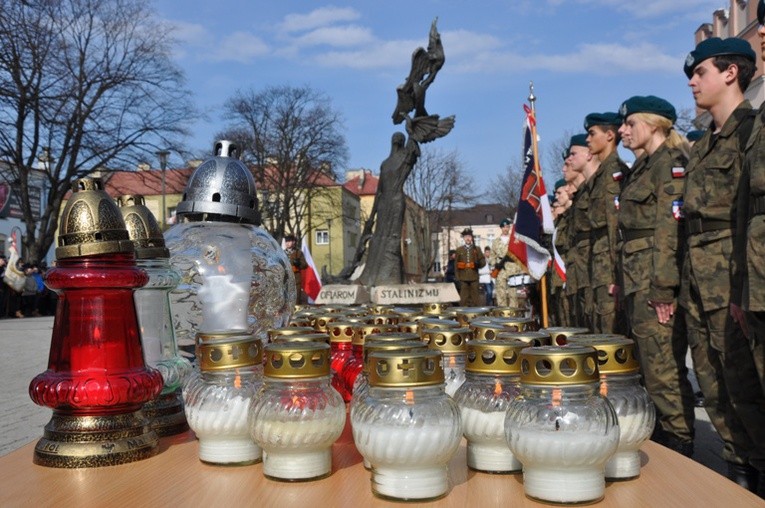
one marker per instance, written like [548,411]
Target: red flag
[310,276]
[533,215]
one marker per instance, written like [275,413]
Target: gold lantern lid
[392,369]
[452,340]
[365,330]
[494,356]
[380,308]
[616,355]
[401,345]
[321,322]
[514,324]
[517,312]
[382,319]
[406,312]
[142,228]
[297,360]
[560,334]
[559,365]
[535,339]
[392,336]
[228,352]
[486,329]
[91,223]
[437,323]
[408,327]
[302,337]
[435,307]
[465,314]
[342,331]
[288,330]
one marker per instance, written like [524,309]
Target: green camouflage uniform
[649,218]
[578,284]
[505,295]
[559,302]
[467,262]
[749,268]
[721,355]
[603,193]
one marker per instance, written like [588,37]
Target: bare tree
[505,188]
[684,123]
[552,169]
[85,85]
[439,184]
[293,136]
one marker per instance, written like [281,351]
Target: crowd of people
[22,291]
[670,250]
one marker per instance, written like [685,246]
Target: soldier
[719,70]
[468,260]
[580,165]
[603,194]
[649,221]
[298,263]
[559,303]
[504,267]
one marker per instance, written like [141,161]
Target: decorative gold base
[166,414]
[95,441]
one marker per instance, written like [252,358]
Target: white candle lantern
[452,343]
[620,383]
[562,429]
[493,373]
[297,415]
[407,427]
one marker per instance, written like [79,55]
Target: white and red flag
[310,276]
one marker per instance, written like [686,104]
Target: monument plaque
[395,294]
[343,294]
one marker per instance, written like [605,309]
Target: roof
[365,185]
[146,183]
[477,215]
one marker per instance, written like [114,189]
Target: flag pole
[535,148]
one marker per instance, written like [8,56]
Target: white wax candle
[563,467]
[225,303]
[300,449]
[633,431]
[487,449]
[408,462]
[223,432]
[453,377]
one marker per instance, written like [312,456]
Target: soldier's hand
[737,313]
[664,311]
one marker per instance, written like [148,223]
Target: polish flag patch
[617,176]
[616,202]
[678,172]
[677,209]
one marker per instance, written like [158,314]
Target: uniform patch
[616,202]
[678,172]
[677,209]
[617,176]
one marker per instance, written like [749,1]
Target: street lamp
[163,154]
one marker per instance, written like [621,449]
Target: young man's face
[561,196]
[468,239]
[506,229]
[708,83]
[576,161]
[598,139]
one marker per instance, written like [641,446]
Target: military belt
[581,236]
[627,235]
[700,225]
[598,233]
[757,205]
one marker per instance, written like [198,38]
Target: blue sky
[582,55]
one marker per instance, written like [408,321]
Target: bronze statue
[385,263]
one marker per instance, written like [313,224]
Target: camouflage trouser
[581,314]
[603,316]
[559,308]
[725,370]
[469,295]
[756,322]
[504,294]
[661,351]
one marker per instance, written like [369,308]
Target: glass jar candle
[376,343]
[452,343]
[351,369]
[620,383]
[297,415]
[341,335]
[407,427]
[562,429]
[534,339]
[288,330]
[218,397]
[560,334]
[492,373]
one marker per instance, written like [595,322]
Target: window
[322,237]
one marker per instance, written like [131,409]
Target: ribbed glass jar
[218,397]
[492,381]
[298,415]
[407,427]
[452,343]
[562,429]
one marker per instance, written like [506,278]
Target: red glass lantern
[96,382]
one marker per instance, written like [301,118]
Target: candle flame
[452,361]
[97,333]
[237,380]
[497,388]
[556,397]
[409,397]
[603,387]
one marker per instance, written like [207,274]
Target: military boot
[744,475]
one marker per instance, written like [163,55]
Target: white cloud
[340,36]
[376,56]
[317,18]
[240,47]
[656,8]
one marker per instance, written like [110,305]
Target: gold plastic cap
[616,355]
[297,360]
[559,365]
[494,356]
[366,330]
[380,309]
[401,345]
[466,314]
[289,330]
[409,327]
[518,312]
[392,337]
[383,319]
[452,340]
[405,368]
[406,312]
[321,322]
[560,334]
[142,228]
[534,339]
[91,223]
[342,331]
[239,351]
[435,308]
[302,337]
[486,329]
[437,323]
